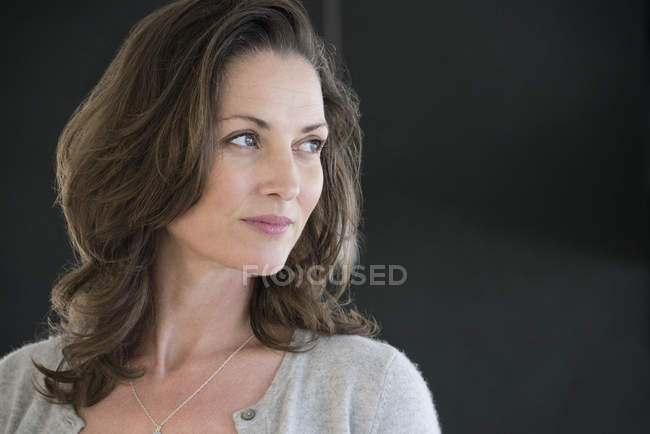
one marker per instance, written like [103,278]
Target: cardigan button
[247,414]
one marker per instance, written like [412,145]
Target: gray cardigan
[345,384]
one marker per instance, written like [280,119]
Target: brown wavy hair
[136,154]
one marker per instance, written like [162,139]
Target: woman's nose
[280,174]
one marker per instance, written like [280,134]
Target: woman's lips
[268,228]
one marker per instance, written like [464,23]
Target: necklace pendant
[157,431]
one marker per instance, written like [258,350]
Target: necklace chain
[205,383]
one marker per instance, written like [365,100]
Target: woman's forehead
[267,79]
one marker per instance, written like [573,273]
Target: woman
[219,149]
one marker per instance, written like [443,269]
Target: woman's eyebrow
[265,125]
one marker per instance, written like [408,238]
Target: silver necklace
[160,425]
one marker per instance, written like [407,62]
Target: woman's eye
[246,140]
[314,145]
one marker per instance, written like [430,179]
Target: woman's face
[270,125]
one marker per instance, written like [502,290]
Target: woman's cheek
[314,186]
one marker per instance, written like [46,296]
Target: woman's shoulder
[385,386]
[16,368]
[43,348]
[353,351]
[361,353]
[18,374]
[17,364]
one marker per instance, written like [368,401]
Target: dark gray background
[505,167]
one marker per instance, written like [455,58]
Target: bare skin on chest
[240,384]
